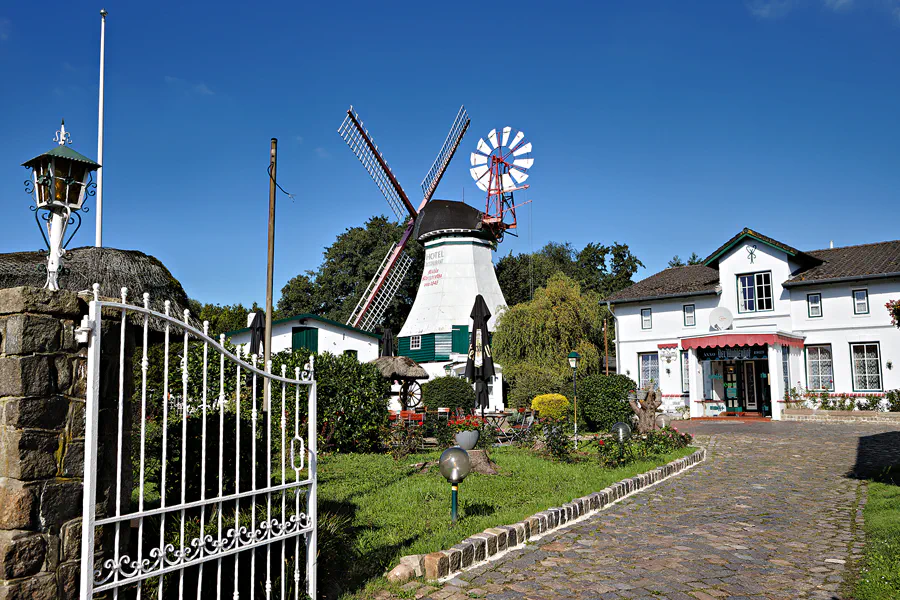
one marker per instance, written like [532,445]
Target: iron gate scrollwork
[207,493]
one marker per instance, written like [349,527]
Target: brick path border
[496,541]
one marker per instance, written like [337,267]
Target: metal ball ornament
[455,464]
[622,431]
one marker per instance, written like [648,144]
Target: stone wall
[42,423]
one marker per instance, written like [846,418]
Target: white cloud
[5,28]
[770,9]
[322,152]
[188,88]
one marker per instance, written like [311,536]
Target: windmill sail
[433,178]
[352,132]
[384,285]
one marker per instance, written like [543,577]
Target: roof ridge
[853,246]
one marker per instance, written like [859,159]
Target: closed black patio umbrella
[480,362]
[387,343]
[257,331]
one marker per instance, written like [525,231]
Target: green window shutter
[461,339]
[305,337]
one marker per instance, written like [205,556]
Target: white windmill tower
[459,243]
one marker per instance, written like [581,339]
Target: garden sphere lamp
[622,433]
[574,358]
[60,181]
[454,465]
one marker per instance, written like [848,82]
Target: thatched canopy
[399,368]
[113,269]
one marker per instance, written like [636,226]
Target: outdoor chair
[521,430]
[443,413]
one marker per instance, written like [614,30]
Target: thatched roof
[399,367]
[112,268]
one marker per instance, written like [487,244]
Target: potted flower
[467,432]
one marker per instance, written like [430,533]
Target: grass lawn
[880,577]
[396,510]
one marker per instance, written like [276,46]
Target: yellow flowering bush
[551,406]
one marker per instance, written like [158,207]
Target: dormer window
[755,292]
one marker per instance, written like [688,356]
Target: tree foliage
[693,259]
[533,339]
[448,392]
[222,317]
[596,267]
[348,265]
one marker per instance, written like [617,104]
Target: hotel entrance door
[751,402]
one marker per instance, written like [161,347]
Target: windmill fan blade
[492,138]
[516,140]
[524,163]
[507,182]
[518,175]
[525,149]
[478,174]
[478,159]
[381,289]
[483,148]
[445,155]
[506,131]
[357,138]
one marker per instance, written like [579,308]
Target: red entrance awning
[740,339]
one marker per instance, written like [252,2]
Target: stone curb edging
[495,540]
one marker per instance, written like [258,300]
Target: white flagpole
[99,236]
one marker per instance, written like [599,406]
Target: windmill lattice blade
[478,159]
[518,175]
[523,163]
[483,148]
[357,138]
[492,138]
[516,140]
[478,174]
[454,137]
[525,149]
[381,290]
[506,131]
[507,182]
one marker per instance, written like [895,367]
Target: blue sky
[664,125]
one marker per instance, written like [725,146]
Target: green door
[460,341]
[305,337]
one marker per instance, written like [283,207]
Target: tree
[693,259]
[532,339]
[222,318]
[349,264]
[596,268]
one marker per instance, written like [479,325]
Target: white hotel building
[758,317]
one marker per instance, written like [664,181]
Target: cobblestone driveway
[774,512]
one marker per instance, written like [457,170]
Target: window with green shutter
[461,339]
[305,337]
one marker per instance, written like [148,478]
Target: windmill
[384,285]
[500,167]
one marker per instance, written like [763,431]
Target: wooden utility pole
[270,266]
[606,346]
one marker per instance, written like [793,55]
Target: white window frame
[810,359]
[854,363]
[692,314]
[786,366]
[685,372]
[647,320]
[810,305]
[757,286]
[641,381]
[856,302]
[415,342]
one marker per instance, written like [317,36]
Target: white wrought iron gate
[199,480]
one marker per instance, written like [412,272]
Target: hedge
[602,400]
[448,392]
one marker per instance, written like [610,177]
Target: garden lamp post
[60,180]
[574,357]
[454,465]
[622,433]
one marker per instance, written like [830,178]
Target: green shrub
[893,400]
[527,381]
[551,406]
[602,400]
[871,402]
[557,436]
[448,392]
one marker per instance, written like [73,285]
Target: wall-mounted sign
[742,353]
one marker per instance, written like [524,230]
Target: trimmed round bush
[448,392]
[602,400]
[551,406]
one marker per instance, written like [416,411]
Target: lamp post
[574,357]
[454,465]
[60,179]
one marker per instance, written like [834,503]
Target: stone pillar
[696,384]
[42,412]
[776,381]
